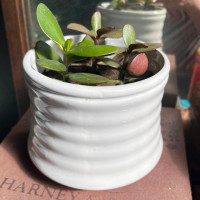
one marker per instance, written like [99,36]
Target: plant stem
[96,41]
[64,75]
[65,60]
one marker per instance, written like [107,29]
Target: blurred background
[8,104]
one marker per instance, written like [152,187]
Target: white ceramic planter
[94,137]
[148,24]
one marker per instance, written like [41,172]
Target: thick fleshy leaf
[93,51]
[113,82]
[68,44]
[44,51]
[87,78]
[139,65]
[110,62]
[52,65]
[150,47]
[136,46]
[70,58]
[96,21]
[86,43]
[88,38]
[80,28]
[128,35]
[49,25]
[94,33]
[119,57]
[113,34]
[105,30]
[83,44]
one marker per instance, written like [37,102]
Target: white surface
[94,137]
[148,24]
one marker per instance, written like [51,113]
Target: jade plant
[91,62]
[135,4]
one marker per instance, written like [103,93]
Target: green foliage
[88,79]
[44,51]
[128,35]
[112,34]
[98,34]
[83,44]
[68,45]
[52,65]
[109,62]
[80,28]
[87,61]
[94,51]
[146,48]
[96,21]
[71,58]
[50,27]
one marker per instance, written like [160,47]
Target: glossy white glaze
[94,137]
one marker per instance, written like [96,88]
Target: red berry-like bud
[138,65]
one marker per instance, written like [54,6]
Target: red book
[169,180]
[194,91]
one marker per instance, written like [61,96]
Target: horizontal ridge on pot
[101,132]
[99,166]
[98,181]
[93,142]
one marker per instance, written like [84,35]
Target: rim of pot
[37,79]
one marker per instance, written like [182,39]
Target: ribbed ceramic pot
[148,24]
[95,137]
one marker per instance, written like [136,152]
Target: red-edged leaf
[80,28]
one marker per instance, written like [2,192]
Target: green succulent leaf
[113,82]
[110,62]
[86,43]
[134,47]
[150,47]
[49,25]
[83,44]
[44,51]
[80,28]
[96,21]
[88,38]
[94,33]
[70,58]
[87,78]
[93,51]
[113,34]
[105,30]
[68,44]
[129,35]
[52,65]
[119,57]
